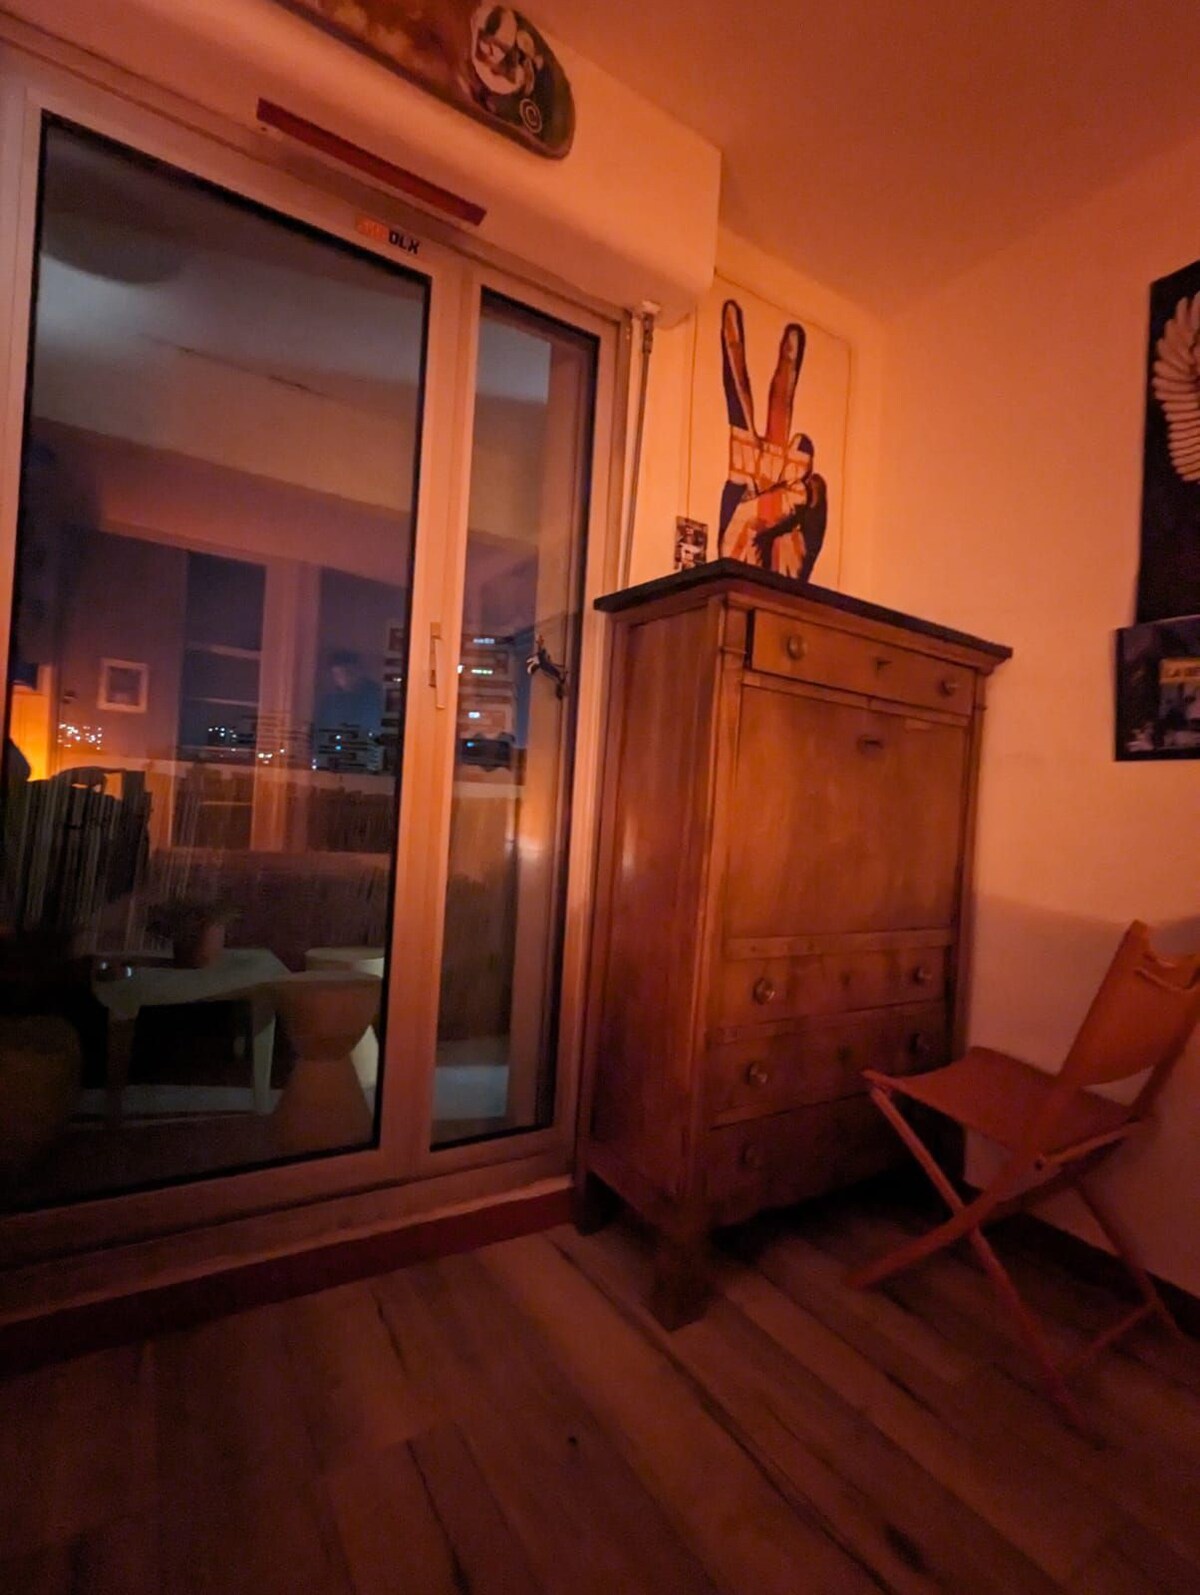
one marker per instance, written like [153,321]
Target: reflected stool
[362,961]
[324,1013]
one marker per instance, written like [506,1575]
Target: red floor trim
[93,1326]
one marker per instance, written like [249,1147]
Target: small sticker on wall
[380,233]
[691,543]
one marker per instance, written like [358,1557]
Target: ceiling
[883,146]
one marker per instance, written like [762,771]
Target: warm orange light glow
[30,729]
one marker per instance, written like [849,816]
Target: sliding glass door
[516,684]
[287,901]
[206,668]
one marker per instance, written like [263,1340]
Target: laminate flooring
[513,1421]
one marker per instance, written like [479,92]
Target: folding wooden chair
[1055,1130]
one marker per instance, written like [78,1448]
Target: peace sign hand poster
[769,435]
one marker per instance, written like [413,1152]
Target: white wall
[1010,470]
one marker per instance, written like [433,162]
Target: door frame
[167,129]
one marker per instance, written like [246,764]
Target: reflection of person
[353,702]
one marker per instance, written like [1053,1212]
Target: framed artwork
[1158,690]
[768,438]
[124,686]
[1169,567]
[490,61]
[691,543]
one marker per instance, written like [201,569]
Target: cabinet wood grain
[786,827]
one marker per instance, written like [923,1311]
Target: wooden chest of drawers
[786,827]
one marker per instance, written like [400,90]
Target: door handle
[540,659]
[437,671]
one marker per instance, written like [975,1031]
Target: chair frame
[1054,1168]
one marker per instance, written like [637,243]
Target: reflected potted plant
[195,927]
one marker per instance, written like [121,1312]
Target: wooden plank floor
[514,1421]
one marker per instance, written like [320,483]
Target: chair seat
[997,1095]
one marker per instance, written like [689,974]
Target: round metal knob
[796,646]
[752,1157]
[845,1053]
[764,990]
[920,1046]
[922,975]
[948,687]
[757,1074]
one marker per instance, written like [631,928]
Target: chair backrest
[1140,1018]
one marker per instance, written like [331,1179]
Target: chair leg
[965,1224]
[1124,1249]
[1028,1328]
[963,1220]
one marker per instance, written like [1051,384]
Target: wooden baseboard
[1099,1267]
[95,1325]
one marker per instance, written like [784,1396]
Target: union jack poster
[767,458]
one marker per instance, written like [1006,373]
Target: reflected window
[208,660]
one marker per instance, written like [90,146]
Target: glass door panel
[208,658]
[534,402]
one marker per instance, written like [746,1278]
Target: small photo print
[1158,690]
[691,543]
[124,686]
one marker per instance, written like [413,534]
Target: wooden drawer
[821,1062]
[782,646]
[790,1156]
[752,991]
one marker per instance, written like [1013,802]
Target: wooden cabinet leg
[682,1281]
[593,1204]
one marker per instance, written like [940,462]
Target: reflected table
[238,974]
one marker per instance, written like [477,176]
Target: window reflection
[206,678]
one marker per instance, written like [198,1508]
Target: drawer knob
[796,647]
[870,746]
[845,1053]
[752,1157]
[757,1074]
[948,687]
[920,1046]
[881,663]
[764,990]
[922,975]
